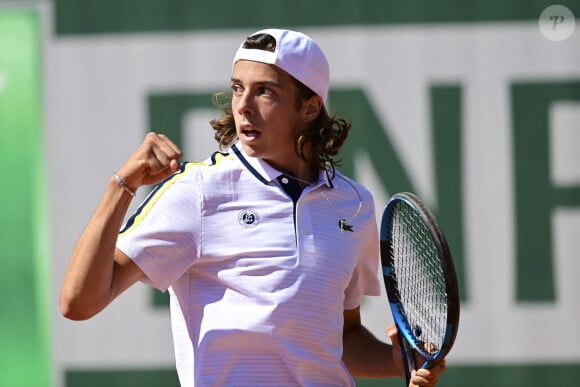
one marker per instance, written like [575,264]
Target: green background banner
[24,325]
[121,16]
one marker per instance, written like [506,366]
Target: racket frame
[410,344]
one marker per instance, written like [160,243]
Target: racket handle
[408,358]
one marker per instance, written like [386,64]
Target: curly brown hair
[323,138]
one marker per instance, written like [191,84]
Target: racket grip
[408,357]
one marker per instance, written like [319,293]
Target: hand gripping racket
[420,281]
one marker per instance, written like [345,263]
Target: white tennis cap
[296,54]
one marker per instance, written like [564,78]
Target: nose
[243,103]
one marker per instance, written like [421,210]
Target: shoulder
[192,175]
[216,162]
[217,159]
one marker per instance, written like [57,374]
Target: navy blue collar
[265,172]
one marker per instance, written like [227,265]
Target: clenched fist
[156,159]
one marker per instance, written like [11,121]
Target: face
[266,113]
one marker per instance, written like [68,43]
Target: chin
[250,150]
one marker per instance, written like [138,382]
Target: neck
[300,171]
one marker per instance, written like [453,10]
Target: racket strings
[420,279]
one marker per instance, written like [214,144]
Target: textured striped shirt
[258,282]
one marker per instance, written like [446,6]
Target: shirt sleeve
[161,237]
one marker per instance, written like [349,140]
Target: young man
[266,249]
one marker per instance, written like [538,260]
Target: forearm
[367,357]
[87,287]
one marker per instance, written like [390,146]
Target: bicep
[351,331]
[125,274]
[351,318]
[355,339]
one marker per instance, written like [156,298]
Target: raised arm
[98,272]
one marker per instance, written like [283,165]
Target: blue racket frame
[410,344]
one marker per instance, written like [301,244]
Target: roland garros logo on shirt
[248,218]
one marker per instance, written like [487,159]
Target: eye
[263,90]
[236,89]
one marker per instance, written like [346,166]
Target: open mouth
[249,132]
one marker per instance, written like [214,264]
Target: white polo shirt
[258,284]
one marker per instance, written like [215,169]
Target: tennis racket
[420,280]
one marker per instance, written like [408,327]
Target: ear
[312,108]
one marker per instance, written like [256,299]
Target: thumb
[174,165]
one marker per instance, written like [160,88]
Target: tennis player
[265,248]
